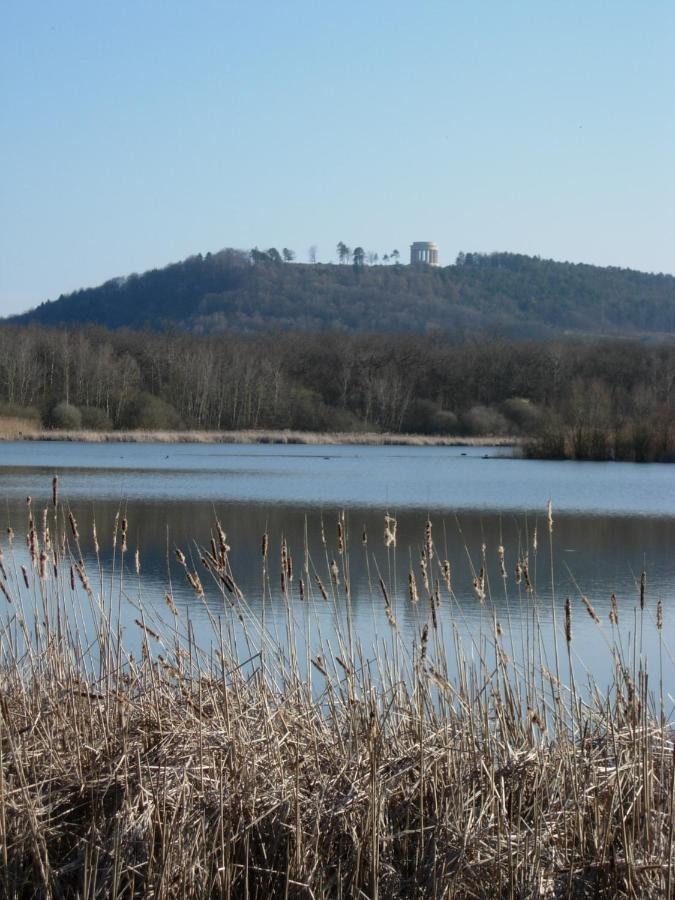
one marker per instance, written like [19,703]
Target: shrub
[523,413]
[95,419]
[484,420]
[151,413]
[427,417]
[65,416]
[308,412]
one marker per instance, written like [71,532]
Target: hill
[509,294]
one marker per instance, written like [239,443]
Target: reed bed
[13,428]
[253,765]
[263,436]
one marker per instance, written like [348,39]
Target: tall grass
[255,765]
[262,436]
[14,428]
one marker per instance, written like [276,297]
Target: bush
[427,417]
[95,419]
[524,414]
[65,417]
[308,412]
[484,420]
[145,411]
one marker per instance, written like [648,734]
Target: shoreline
[264,436]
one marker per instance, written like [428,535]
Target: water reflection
[596,556]
[611,523]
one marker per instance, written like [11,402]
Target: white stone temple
[423,253]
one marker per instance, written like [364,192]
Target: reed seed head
[568,621]
[390,525]
[412,587]
[589,609]
[447,574]
[502,564]
[428,541]
[613,610]
[643,585]
[479,586]
[425,573]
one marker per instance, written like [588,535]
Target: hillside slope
[508,293]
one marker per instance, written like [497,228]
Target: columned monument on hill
[423,253]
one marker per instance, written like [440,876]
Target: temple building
[423,253]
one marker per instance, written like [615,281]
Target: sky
[134,134]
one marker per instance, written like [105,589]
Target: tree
[343,252]
[312,254]
[395,255]
[359,257]
[372,258]
[288,255]
[274,255]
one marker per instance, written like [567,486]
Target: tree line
[358,256]
[507,294]
[587,399]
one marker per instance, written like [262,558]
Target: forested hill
[506,293]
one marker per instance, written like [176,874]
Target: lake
[611,522]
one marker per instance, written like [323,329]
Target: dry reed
[200,772]
[261,436]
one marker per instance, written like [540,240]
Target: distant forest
[510,295]
[581,398]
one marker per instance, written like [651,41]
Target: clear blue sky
[133,134]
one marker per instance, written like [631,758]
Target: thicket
[579,399]
[511,294]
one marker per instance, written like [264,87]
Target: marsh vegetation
[258,762]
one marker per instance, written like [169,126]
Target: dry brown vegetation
[243,770]
[265,436]
[13,428]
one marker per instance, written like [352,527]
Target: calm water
[611,521]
